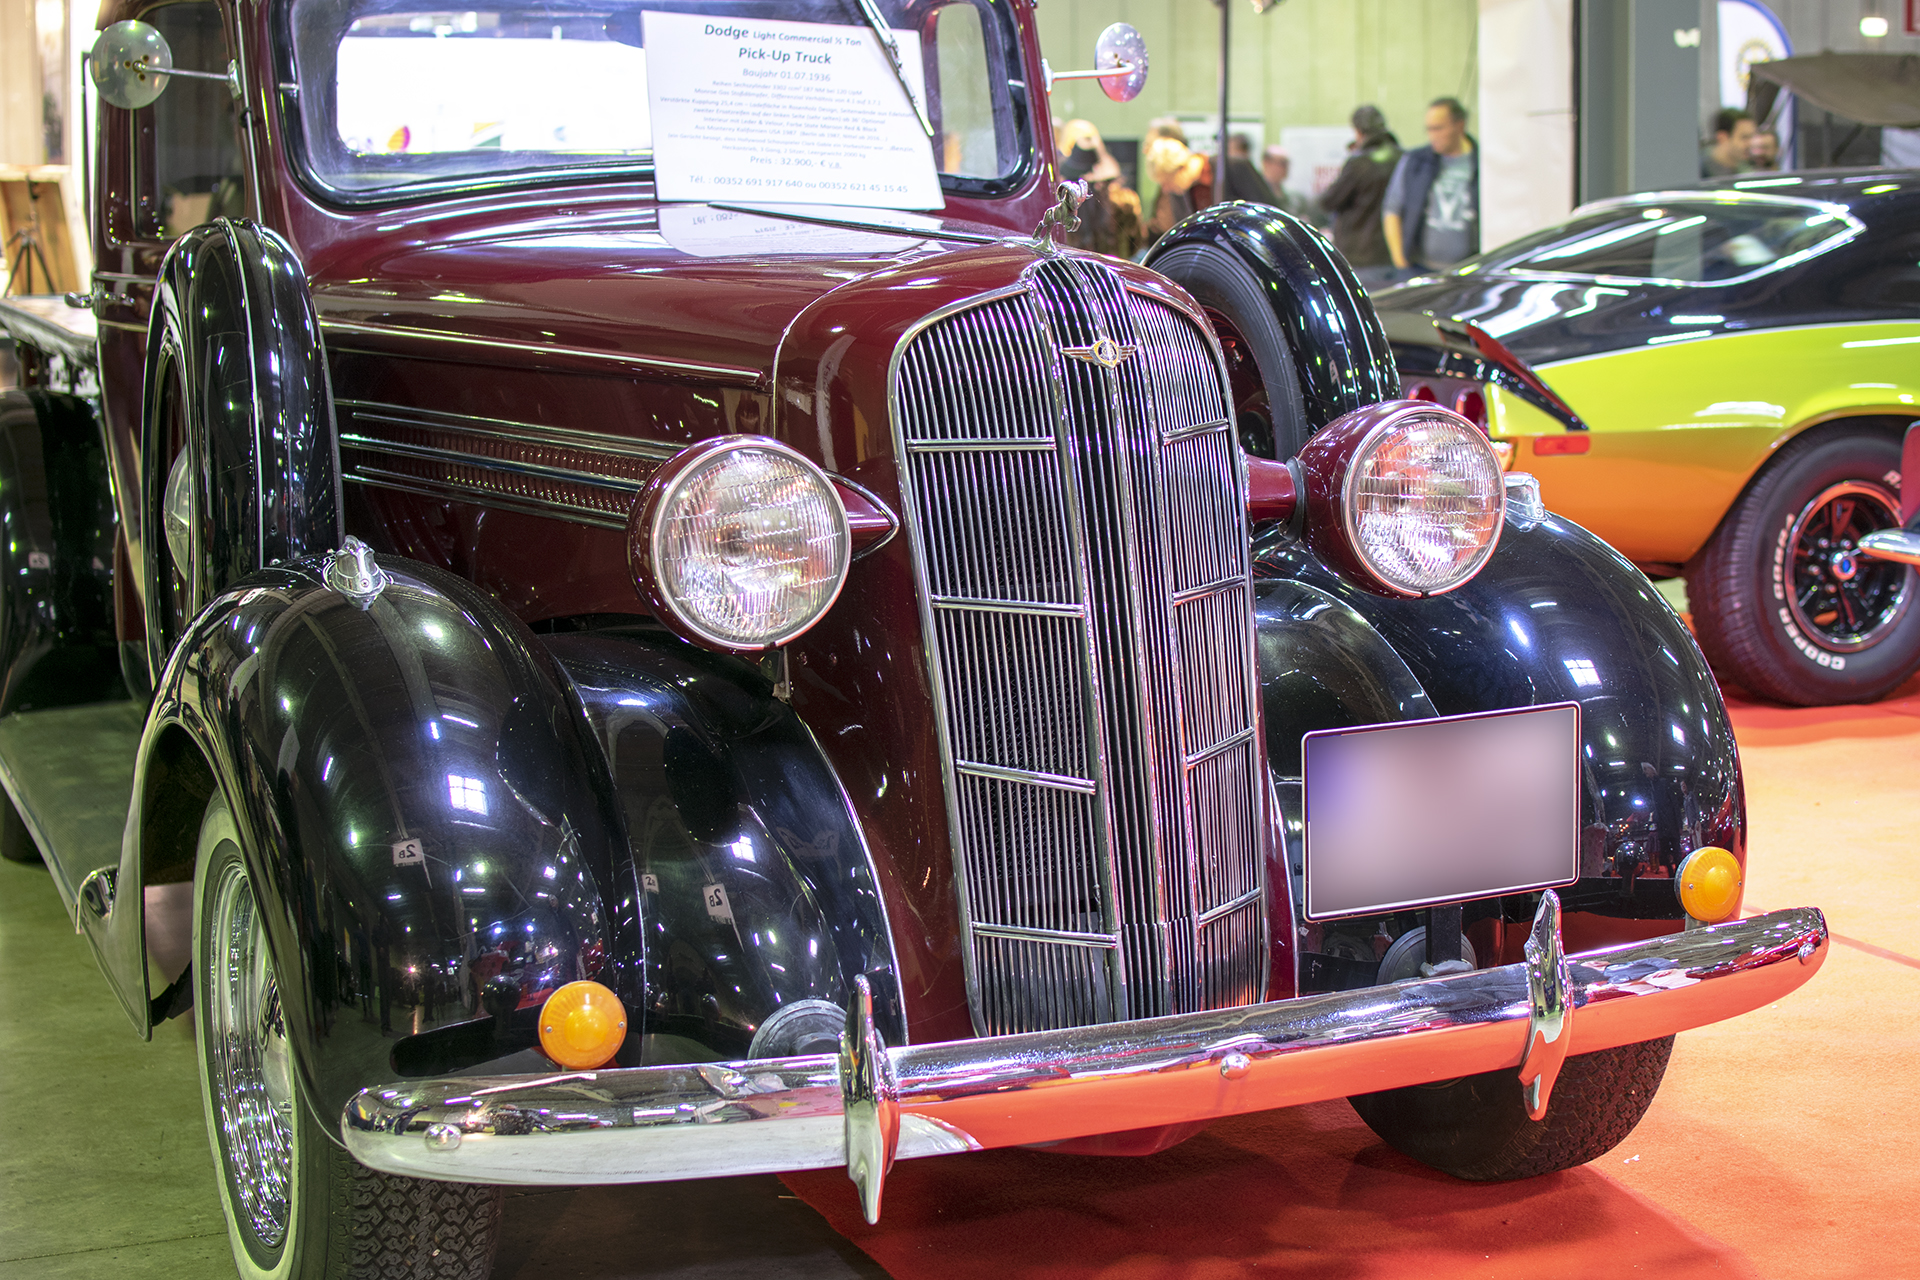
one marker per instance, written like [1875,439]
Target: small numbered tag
[650,883]
[717,905]
[39,560]
[408,853]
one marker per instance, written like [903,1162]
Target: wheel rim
[1841,600]
[250,1066]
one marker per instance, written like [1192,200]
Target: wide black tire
[298,1207]
[1477,1128]
[1222,283]
[1770,606]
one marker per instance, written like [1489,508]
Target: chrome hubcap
[250,1069]
[1840,600]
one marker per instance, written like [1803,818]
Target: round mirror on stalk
[1121,46]
[130,64]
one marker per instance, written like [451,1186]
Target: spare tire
[1282,299]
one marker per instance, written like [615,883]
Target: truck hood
[684,292]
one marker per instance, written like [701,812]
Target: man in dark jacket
[1431,214]
[1355,196]
[1244,182]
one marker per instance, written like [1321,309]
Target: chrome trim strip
[989,446]
[1196,429]
[1228,908]
[1058,781]
[1039,608]
[517,432]
[1205,589]
[375,478]
[648,1124]
[398,448]
[725,372]
[1223,746]
[1063,936]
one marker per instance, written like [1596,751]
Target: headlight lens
[1414,493]
[740,543]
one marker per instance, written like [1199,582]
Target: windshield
[1697,240]
[396,97]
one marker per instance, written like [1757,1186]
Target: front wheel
[298,1207]
[1783,602]
[1477,1128]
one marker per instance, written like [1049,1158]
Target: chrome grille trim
[1091,523]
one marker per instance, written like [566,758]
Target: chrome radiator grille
[1082,542]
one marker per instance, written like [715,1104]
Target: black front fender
[1556,616]
[761,904]
[433,842]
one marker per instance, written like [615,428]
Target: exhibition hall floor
[1781,1144]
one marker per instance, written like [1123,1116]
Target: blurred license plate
[1429,811]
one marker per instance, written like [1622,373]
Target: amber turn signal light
[1710,881]
[582,1025]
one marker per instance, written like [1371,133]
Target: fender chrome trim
[649,1124]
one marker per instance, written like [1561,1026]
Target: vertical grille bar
[1081,536]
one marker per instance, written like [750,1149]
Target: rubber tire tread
[1742,643]
[1220,281]
[412,1228]
[1477,1129]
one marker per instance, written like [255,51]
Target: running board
[69,773]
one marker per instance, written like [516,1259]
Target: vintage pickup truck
[651,688]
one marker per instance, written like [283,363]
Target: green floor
[104,1167]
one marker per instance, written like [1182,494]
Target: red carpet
[1781,1145]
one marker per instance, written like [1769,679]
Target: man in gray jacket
[1431,214]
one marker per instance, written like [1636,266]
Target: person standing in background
[1110,219]
[1276,165]
[1354,198]
[1183,179]
[1727,154]
[1243,181]
[1431,214]
[1764,151]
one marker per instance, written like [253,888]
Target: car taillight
[1572,442]
[739,543]
[1472,405]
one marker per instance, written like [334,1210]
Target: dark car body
[1685,387]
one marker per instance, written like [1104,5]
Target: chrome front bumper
[872,1104]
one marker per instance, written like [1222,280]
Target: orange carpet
[1782,1145]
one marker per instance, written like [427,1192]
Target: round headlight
[739,543]
[1407,495]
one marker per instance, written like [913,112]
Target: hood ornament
[1064,215]
[1104,352]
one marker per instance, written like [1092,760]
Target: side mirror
[130,64]
[1120,64]
[1121,54]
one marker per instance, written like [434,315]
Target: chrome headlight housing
[1406,496]
[739,543]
